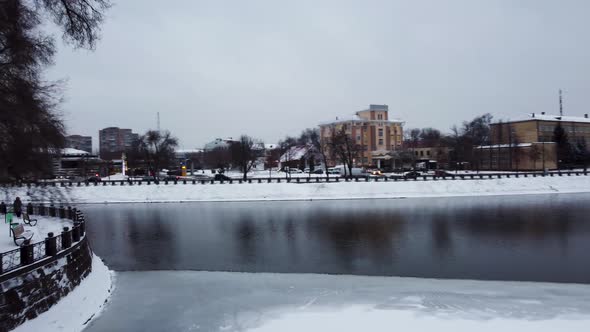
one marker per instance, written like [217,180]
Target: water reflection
[543,238]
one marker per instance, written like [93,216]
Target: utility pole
[560,104]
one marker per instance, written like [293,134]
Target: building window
[379,116]
[358,138]
[380,132]
[381,141]
[428,152]
[421,153]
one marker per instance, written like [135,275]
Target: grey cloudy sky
[272,68]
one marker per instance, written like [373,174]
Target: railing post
[62,212]
[52,210]
[69,213]
[76,232]
[82,226]
[50,245]
[29,209]
[66,238]
[26,253]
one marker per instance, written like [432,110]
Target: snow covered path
[224,301]
[303,191]
[44,226]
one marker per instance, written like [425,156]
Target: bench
[28,221]
[19,234]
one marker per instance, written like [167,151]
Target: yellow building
[527,144]
[375,134]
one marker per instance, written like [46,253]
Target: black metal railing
[30,253]
[315,179]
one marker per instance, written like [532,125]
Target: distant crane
[158,120]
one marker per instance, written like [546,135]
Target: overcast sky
[271,68]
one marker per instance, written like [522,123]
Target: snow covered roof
[181,151]
[219,143]
[73,152]
[548,117]
[521,145]
[295,153]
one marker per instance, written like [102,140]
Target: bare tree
[286,152]
[535,154]
[244,154]
[158,147]
[345,147]
[31,130]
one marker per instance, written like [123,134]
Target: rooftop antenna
[560,104]
[158,116]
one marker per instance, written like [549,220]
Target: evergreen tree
[564,148]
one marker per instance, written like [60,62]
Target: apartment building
[372,130]
[79,142]
[113,141]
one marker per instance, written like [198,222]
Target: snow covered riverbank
[74,311]
[302,191]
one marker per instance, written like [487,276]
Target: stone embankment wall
[29,291]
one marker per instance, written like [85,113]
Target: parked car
[315,171]
[94,178]
[442,172]
[374,172]
[221,177]
[293,170]
[412,175]
[201,177]
[170,178]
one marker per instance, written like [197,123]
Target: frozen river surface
[161,250]
[223,301]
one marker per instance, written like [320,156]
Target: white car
[334,170]
[294,170]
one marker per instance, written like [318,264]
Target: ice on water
[222,301]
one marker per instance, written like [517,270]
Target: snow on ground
[265,302]
[305,191]
[115,177]
[44,226]
[75,310]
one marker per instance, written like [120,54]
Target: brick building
[527,144]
